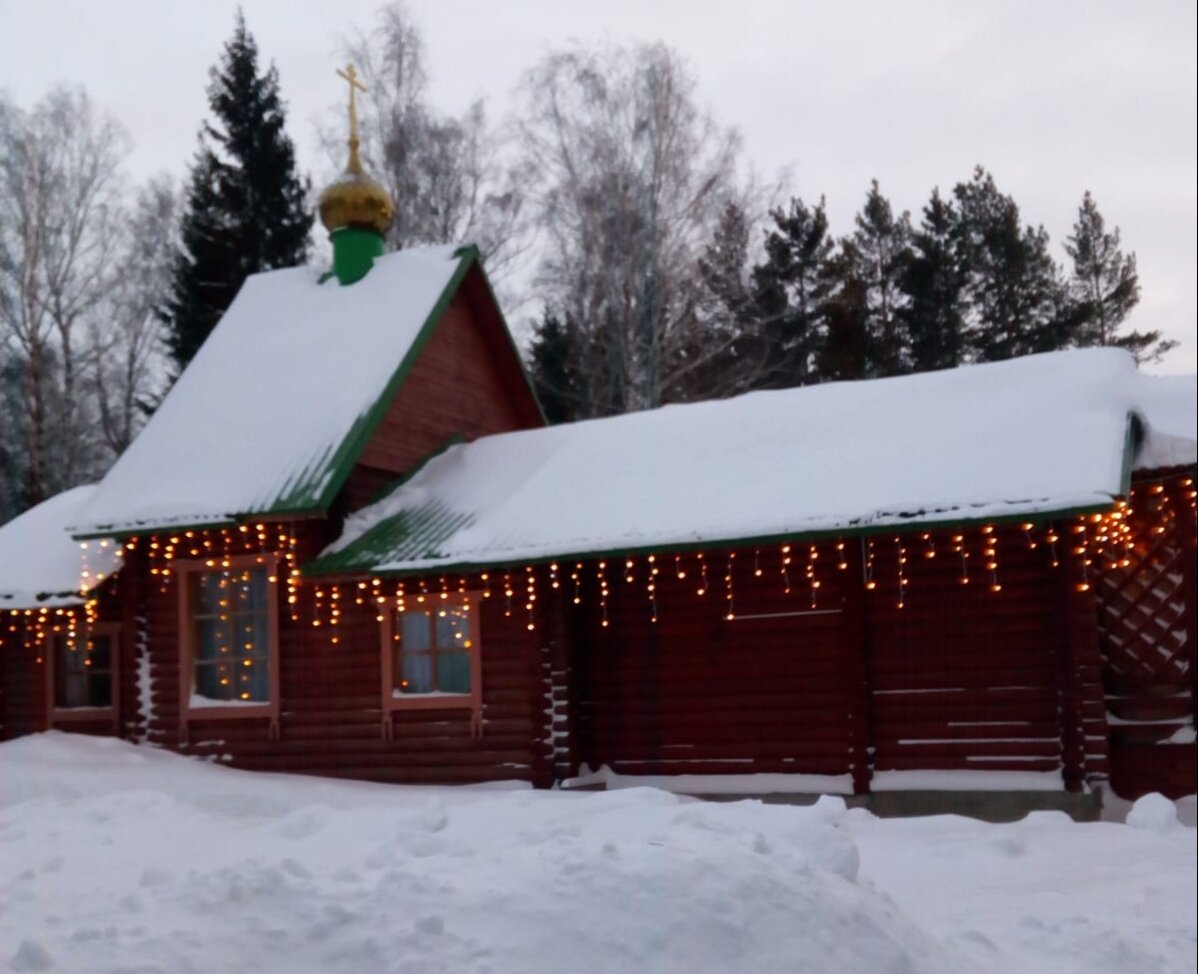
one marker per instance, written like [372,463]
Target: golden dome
[355,200]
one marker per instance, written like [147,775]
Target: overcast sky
[1053,97]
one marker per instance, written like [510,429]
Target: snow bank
[1153,813]
[40,565]
[1036,435]
[121,858]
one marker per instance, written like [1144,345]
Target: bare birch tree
[448,176]
[60,220]
[630,178]
[129,359]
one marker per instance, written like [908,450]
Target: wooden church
[348,544]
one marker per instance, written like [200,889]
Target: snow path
[118,858]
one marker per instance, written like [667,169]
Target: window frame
[472,701]
[183,570]
[76,715]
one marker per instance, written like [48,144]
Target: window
[83,668]
[432,656]
[433,650]
[228,620]
[230,647]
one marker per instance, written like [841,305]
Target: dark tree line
[970,282]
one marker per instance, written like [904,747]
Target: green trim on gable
[314,495]
[1132,438]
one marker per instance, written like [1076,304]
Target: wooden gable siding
[467,381]
[959,678]
[331,719]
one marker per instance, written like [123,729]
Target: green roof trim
[312,499]
[1132,438]
[417,534]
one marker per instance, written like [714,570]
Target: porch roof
[41,566]
[1028,438]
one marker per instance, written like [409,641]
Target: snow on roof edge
[46,564]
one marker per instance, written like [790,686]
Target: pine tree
[246,206]
[1014,286]
[881,251]
[1105,287]
[553,356]
[724,357]
[789,287]
[845,345]
[933,281]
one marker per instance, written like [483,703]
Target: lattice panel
[1142,617]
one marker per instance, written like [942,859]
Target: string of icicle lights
[1094,542]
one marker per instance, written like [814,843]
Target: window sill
[68,714]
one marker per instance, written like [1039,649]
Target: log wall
[960,677]
[331,720]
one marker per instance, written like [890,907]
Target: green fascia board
[418,533]
[1132,438]
[342,462]
[389,533]
[362,557]
[307,498]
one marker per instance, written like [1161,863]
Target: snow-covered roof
[1033,436]
[41,565]
[271,414]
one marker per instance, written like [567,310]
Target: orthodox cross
[351,76]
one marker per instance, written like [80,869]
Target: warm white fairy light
[990,553]
[729,596]
[813,582]
[601,576]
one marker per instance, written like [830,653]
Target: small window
[83,670]
[230,625]
[228,621]
[432,658]
[434,649]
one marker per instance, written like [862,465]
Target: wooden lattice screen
[1145,618]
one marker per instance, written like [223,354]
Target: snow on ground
[117,858]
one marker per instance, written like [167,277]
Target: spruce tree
[1105,287]
[933,281]
[845,346]
[789,287]
[881,251]
[246,206]
[724,357]
[553,356]
[1014,287]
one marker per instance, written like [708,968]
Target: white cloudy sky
[1054,97]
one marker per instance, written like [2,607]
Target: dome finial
[350,74]
[355,209]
